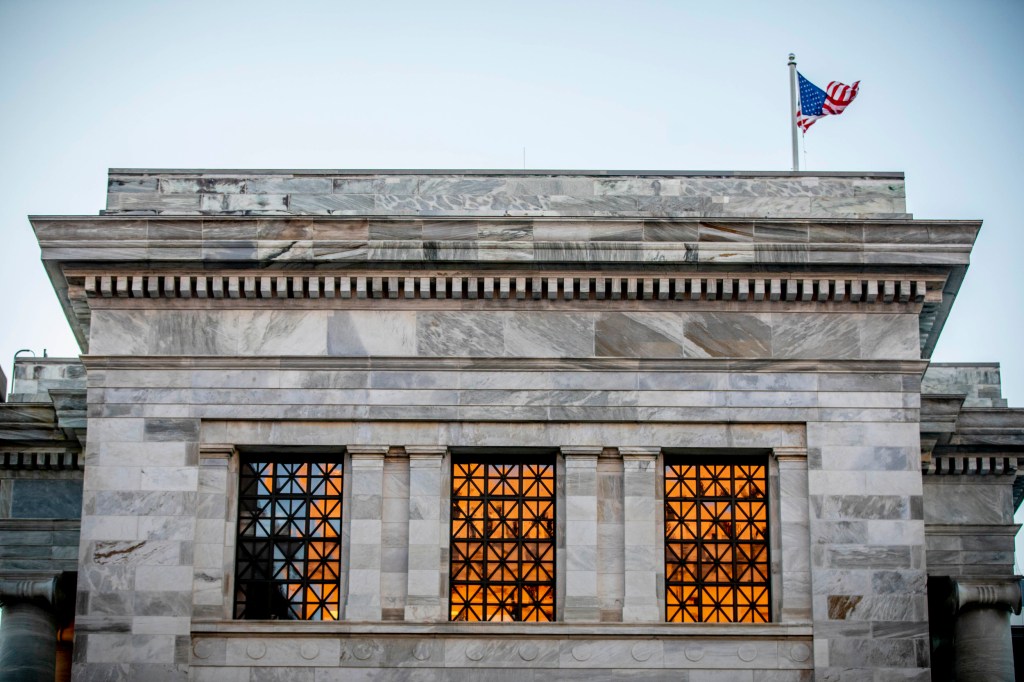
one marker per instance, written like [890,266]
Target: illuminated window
[289,539]
[716,540]
[503,540]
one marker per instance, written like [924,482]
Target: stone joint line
[552,288]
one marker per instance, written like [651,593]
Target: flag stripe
[816,103]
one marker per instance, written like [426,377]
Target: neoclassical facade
[509,425]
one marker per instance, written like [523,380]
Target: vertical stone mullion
[426,535]
[581,593]
[366,528]
[642,561]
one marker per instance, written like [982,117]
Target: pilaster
[367,507]
[425,600]
[642,560]
[581,590]
[791,545]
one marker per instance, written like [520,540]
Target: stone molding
[326,363]
[576,287]
[1003,594]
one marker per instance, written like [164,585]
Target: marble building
[506,425]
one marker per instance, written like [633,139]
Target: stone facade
[392,320]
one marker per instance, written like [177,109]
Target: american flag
[815,102]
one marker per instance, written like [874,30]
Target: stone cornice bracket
[551,287]
[36,461]
[1002,594]
[970,465]
[47,593]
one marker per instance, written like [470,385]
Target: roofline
[894,175]
[308,217]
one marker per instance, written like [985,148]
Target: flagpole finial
[792,58]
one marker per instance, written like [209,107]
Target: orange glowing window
[289,539]
[503,540]
[716,540]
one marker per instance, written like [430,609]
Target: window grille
[716,540]
[289,539]
[502,540]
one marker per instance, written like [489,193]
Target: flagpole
[792,110]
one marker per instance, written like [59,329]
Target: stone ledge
[298,362]
[638,630]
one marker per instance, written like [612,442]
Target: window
[502,540]
[716,540]
[289,539]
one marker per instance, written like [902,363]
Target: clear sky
[598,85]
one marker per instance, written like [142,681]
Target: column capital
[425,451]
[46,592]
[367,451]
[593,451]
[212,453]
[1001,594]
[640,453]
[790,454]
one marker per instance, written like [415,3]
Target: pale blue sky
[607,85]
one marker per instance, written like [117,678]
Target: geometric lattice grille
[289,540]
[716,541]
[502,540]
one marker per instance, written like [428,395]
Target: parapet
[34,378]
[979,383]
[620,194]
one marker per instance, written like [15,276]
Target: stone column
[366,519]
[981,633]
[641,522]
[28,631]
[424,603]
[581,599]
